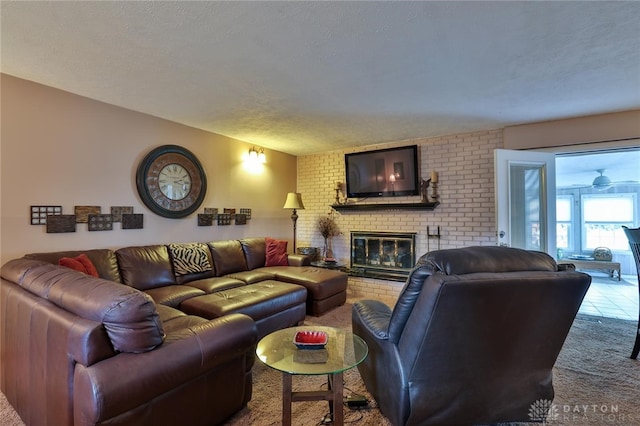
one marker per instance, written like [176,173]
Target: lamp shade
[294,201]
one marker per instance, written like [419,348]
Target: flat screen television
[390,172]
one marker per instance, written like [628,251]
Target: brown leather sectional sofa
[142,344]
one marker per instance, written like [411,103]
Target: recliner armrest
[374,315]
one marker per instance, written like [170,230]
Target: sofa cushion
[189,258]
[276,252]
[80,263]
[104,260]
[167,313]
[145,267]
[173,295]
[253,276]
[228,257]
[211,285]
[177,325]
[254,252]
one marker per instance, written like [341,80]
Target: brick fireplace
[385,255]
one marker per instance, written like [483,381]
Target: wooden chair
[633,235]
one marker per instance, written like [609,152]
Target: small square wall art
[61,223]
[83,212]
[205,219]
[118,211]
[39,214]
[132,221]
[100,222]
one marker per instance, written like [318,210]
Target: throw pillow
[189,258]
[80,263]
[276,252]
[69,262]
[88,264]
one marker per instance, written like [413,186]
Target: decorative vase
[328,250]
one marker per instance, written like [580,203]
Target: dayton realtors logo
[543,410]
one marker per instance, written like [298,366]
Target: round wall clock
[171,181]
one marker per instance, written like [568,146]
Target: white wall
[58,148]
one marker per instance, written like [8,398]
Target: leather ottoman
[271,304]
[327,288]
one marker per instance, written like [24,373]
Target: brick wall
[466,214]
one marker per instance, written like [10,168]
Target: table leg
[333,395]
[286,398]
[336,404]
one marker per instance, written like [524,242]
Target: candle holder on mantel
[338,190]
[434,187]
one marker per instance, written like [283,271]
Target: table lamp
[294,201]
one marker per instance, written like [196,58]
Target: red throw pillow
[276,252]
[88,264]
[72,263]
[80,263]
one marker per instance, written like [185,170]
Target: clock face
[175,181]
[171,181]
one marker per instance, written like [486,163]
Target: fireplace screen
[382,254]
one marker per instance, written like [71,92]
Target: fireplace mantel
[386,206]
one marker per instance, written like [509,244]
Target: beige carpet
[595,381]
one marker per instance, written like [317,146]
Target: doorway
[596,194]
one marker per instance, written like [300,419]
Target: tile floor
[608,297]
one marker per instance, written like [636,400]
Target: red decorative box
[310,339]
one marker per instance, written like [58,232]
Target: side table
[610,268]
[343,351]
[327,265]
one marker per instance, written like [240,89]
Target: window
[564,216]
[603,217]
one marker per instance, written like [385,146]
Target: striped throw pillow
[189,258]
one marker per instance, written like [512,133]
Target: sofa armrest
[126,381]
[299,260]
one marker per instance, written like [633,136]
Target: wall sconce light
[253,154]
[257,155]
[255,159]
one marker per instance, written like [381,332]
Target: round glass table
[343,351]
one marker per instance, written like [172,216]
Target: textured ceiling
[306,77]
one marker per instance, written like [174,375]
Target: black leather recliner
[472,338]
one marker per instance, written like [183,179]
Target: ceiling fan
[602,182]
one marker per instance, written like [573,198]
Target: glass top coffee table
[343,351]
